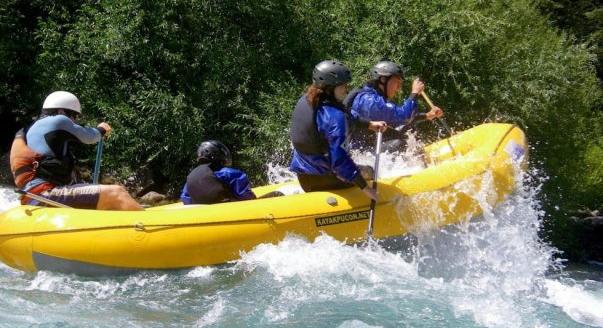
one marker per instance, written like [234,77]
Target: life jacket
[304,132]
[349,99]
[205,188]
[24,162]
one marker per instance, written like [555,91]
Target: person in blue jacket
[374,101]
[213,181]
[320,132]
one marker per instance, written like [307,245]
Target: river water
[490,272]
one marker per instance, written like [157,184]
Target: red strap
[42,187]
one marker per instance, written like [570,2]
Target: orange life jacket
[23,160]
[24,163]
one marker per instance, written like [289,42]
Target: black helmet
[385,68]
[330,73]
[213,151]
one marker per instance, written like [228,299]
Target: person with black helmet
[374,100]
[320,133]
[42,163]
[213,181]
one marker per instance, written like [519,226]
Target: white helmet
[62,100]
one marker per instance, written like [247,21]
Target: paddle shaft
[369,232]
[441,120]
[431,105]
[41,199]
[97,163]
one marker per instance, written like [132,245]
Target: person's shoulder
[52,122]
[59,121]
[331,109]
[369,93]
[367,89]
[230,171]
[303,98]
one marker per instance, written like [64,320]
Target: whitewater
[494,271]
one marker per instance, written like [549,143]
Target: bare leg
[115,197]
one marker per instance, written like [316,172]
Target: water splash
[213,315]
[584,305]
[278,173]
[486,270]
[8,198]
[397,163]
[492,270]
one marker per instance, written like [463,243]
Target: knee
[115,197]
[115,192]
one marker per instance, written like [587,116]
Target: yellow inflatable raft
[476,166]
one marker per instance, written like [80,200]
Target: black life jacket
[349,99]
[26,164]
[205,188]
[304,132]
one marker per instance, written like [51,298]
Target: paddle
[97,163]
[369,232]
[431,106]
[440,119]
[41,199]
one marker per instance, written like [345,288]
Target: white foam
[61,284]
[278,173]
[355,324]
[490,269]
[325,270]
[8,198]
[397,163]
[582,306]
[200,272]
[296,257]
[213,315]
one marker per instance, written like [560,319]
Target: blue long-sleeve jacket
[333,125]
[235,180]
[369,105]
[53,135]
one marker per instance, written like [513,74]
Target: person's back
[213,181]
[52,137]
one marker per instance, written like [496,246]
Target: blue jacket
[370,105]
[53,135]
[332,123]
[235,180]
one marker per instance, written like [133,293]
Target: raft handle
[139,226]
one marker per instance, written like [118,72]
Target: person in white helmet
[42,163]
